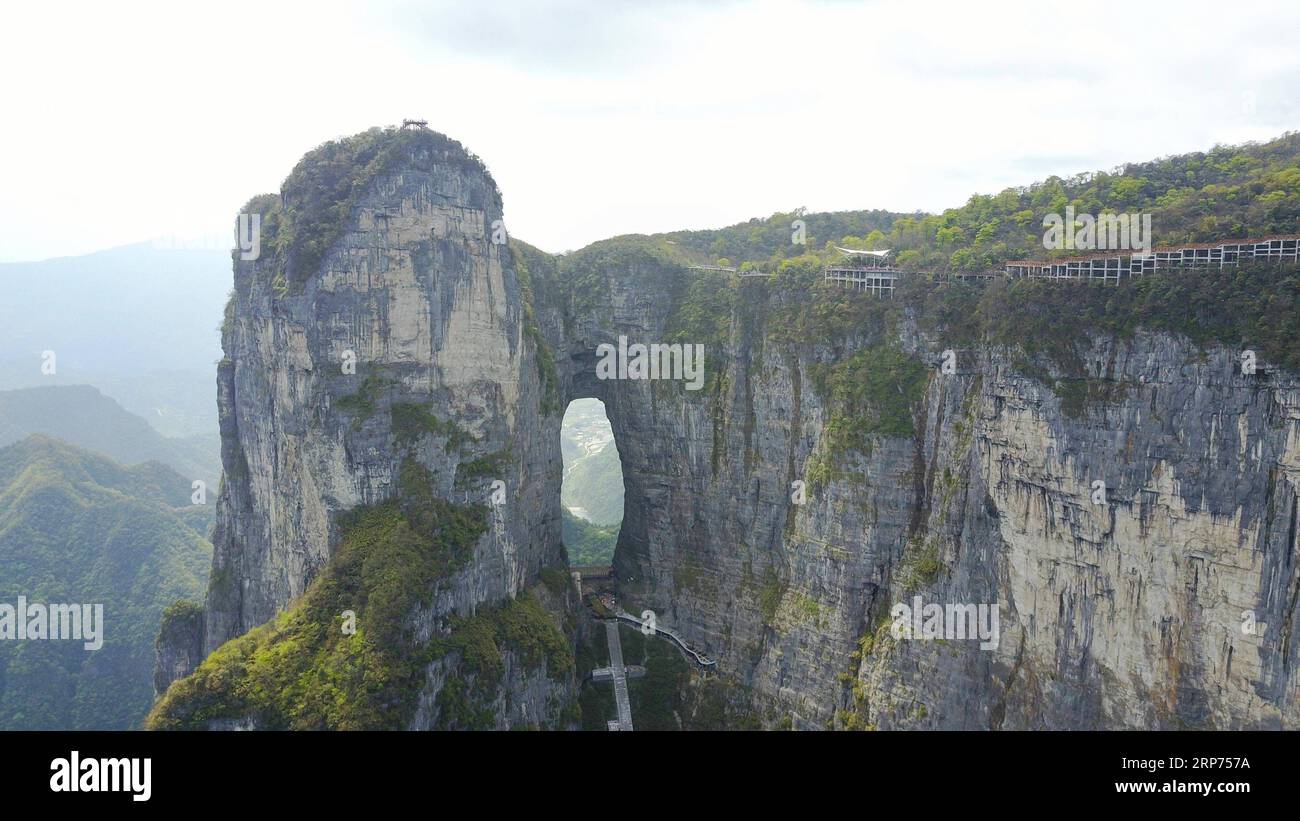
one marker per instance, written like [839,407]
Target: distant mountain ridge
[82,416]
[139,322]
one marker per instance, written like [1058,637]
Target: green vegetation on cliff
[875,391]
[301,670]
[182,616]
[304,670]
[694,305]
[312,211]
[411,421]
[656,267]
[521,627]
[489,466]
[533,265]
[1256,305]
[362,404]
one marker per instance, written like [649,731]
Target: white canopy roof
[852,252]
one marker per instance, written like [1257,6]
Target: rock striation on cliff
[835,469]
[382,422]
[1124,497]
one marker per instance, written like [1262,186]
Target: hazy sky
[129,121]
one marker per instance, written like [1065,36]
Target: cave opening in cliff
[591,495]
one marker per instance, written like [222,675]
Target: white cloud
[599,118]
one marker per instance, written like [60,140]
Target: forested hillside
[1227,192]
[76,528]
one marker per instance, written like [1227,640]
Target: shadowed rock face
[1123,614]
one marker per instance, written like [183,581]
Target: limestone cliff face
[1123,613]
[403,339]
[179,646]
[1127,613]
